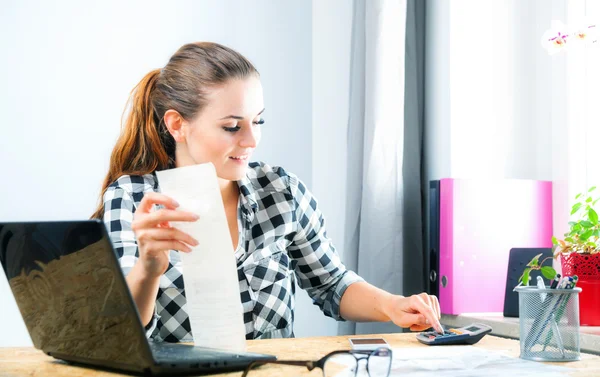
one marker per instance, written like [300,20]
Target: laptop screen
[70,291]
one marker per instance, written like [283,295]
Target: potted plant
[579,250]
[582,239]
[579,253]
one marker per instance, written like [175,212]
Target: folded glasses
[342,363]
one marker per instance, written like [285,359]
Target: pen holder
[549,323]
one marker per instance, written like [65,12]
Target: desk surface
[29,361]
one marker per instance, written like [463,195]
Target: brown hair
[145,145]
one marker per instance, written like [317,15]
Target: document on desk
[209,271]
[464,361]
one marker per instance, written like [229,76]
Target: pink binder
[480,221]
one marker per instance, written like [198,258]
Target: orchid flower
[585,32]
[555,39]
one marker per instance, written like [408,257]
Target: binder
[478,222]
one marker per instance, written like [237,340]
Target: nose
[250,137]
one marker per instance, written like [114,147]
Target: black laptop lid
[71,293]
[517,262]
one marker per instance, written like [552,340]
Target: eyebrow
[239,117]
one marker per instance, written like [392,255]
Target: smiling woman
[206,105]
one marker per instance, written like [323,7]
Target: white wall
[332,29]
[69,66]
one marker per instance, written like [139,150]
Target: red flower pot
[587,269]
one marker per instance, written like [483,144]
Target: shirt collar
[249,204]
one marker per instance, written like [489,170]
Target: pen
[538,327]
[555,282]
[541,285]
[570,284]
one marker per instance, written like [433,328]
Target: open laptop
[77,307]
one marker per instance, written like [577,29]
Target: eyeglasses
[342,363]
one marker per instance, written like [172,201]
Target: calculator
[470,334]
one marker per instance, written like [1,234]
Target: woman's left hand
[418,312]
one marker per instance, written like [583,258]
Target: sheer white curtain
[375,148]
[576,143]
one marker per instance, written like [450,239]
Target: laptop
[77,307]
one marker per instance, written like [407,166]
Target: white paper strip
[209,271]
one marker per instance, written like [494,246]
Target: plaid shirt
[281,231]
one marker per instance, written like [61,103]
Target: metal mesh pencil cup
[549,323]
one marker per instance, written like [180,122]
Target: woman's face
[227,131]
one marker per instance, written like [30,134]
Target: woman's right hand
[155,236]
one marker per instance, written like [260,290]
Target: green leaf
[525,277]
[570,239]
[589,199]
[555,240]
[592,188]
[575,208]
[593,216]
[577,196]
[548,272]
[595,201]
[534,261]
[586,235]
[587,224]
[597,233]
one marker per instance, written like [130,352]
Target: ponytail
[139,149]
[145,144]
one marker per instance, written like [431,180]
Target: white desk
[589,339]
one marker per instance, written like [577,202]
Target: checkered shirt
[282,238]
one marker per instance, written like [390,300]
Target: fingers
[160,246]
[153,230]
[416,321]
[436,306]
[160,217]
[419,327]
[165,234]
[433,302]
[423,305]
[419,322]
[152,198]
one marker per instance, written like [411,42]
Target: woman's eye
[232,129]
[261,121]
